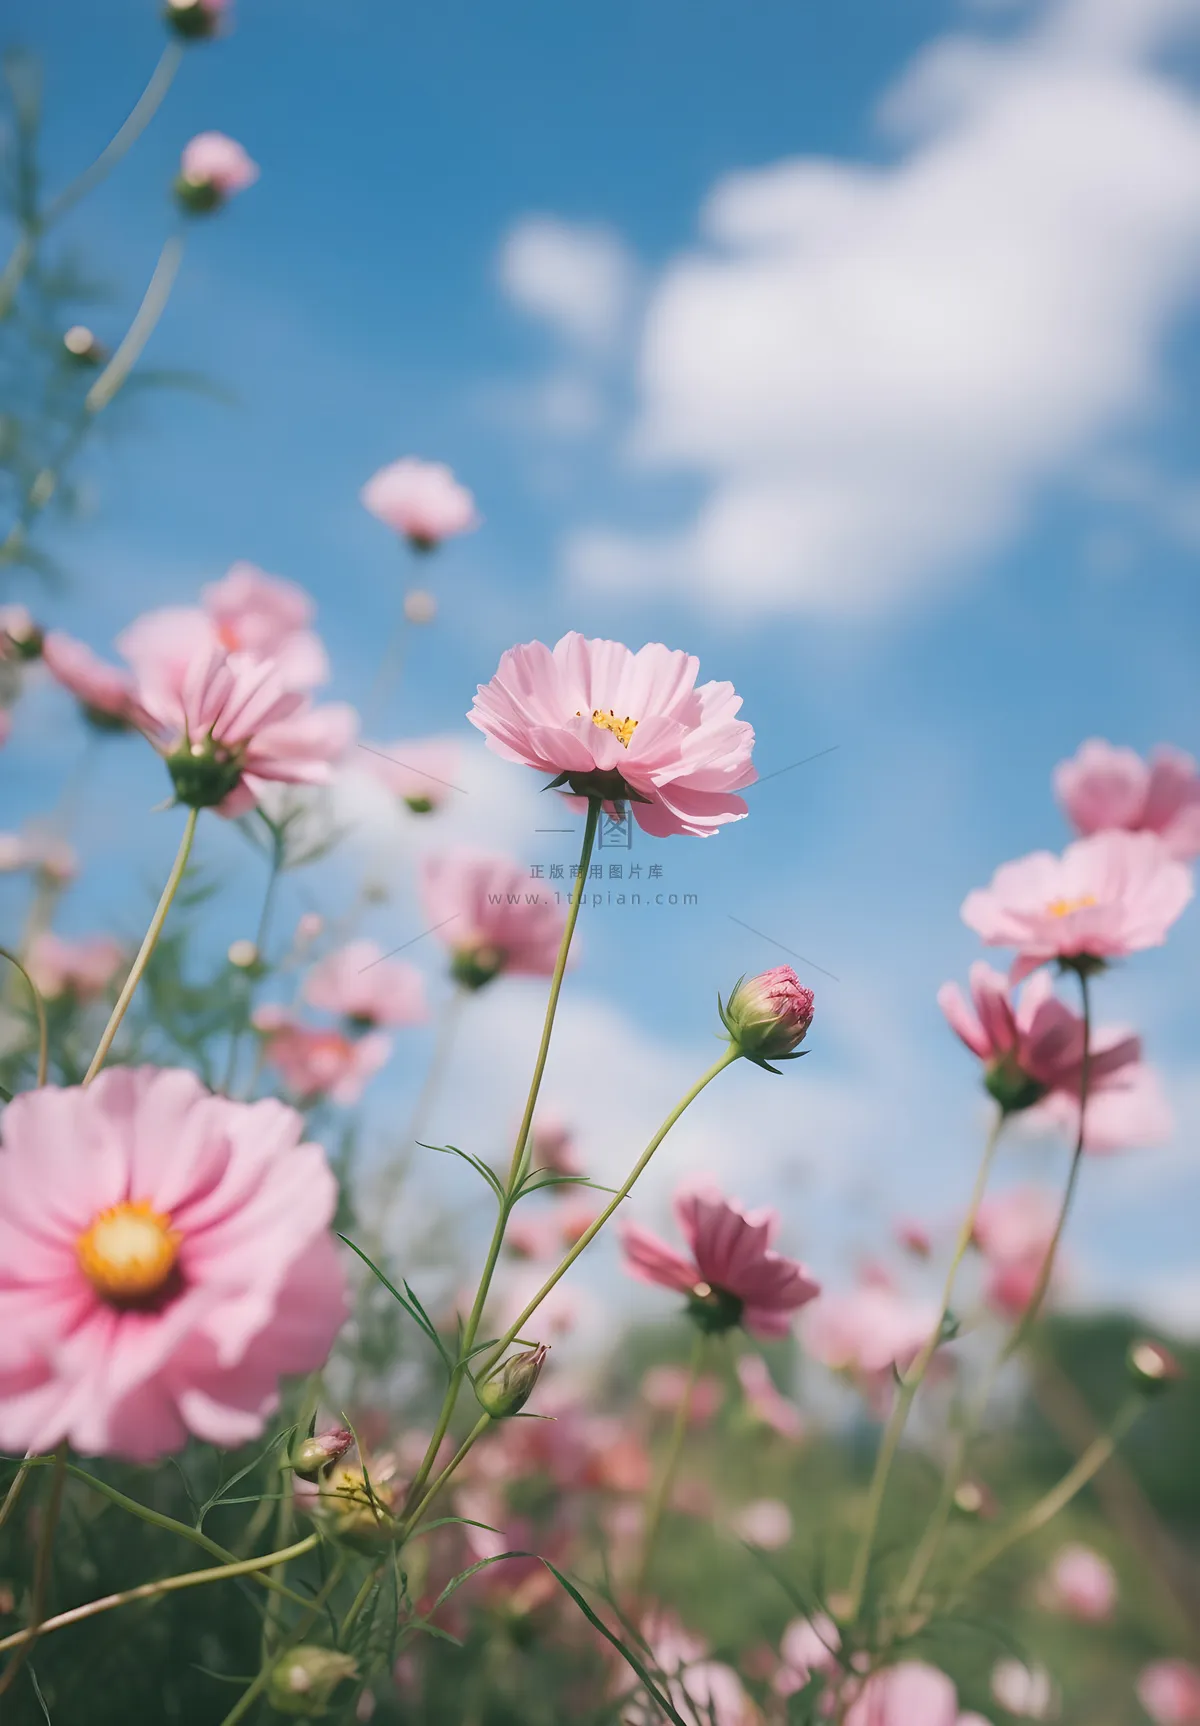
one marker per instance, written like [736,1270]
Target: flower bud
[304,1679]
[203,773]
[419,606]
[243,955]
[194,20]
[768,1016]
[1152,1367]
[20,636]
[510,1388]
[973,1498]
[319,1451]
[82,346]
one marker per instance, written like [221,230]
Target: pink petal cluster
[869,1333]
[807,1646]
[484,911]
[319,1063]
[421,772]
[269,618]
[764,1403]
[1104,898]
[664,1387]
[360,982]
[1102,788]
[238,1209]
[553,1147]
[1014,1231]
[1027,1691]
[106,693]
[1080,1583]
[911,1694]
[1169,1691]
[1038,1038]
[422,500]
[212,159]
[623,726]
[730,1255]
[703,1691]
[81,968]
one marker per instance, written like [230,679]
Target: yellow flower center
[129,1252]
[622,729]
[1064,907]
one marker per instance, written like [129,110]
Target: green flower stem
[911,1383]
[246,992]
[516,1167]
[314,1606]
[147,947]
[431,1491]
[39,1009]
[140,116]
[41,1575]
[167,1585]
[670,1467]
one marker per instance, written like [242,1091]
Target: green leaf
[627,1654]
[476,1163]
[218,1497]
[417,1313]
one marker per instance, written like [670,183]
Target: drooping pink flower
[105,693]
[320,1063]
[1027,1691]
[165,1258]
[766,1404]
[627,727]
[733,1276]
[664,1387]
[1169,1691]
[806,1646]
[420,771]
[269,618]
[360,982]
[1080,1583]
[1104,898]
[213,162]
[82,968]
[869,1333]
[485,911]
[1032,1051]
[1102,788]
[911,1694]
[422,500]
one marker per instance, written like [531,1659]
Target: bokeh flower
[627,727]
[1027,1691]
[82,969]
[869,1333]
[484,910]
[910,1694]
[165,1258]
[269,618]
[664,1388]
[1169,1691]
[364,984]
[315,1062]
[104,692]
[1080,1583]
[806,1646]
[1101,788]
[766,1404]
[213,169]
[419,771]
[421,500]
[1014,1231]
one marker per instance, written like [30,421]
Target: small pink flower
[421,772]
[1169,1691]
[869,1333]
[765,1523]
[485,911]
[628,727]
[703,1691]
[1014,1231]
[532,1237]
[663,1387]
[422,500]
[1027,1691]
[807,1646]
[165,1259]
[360,983]
[733,1277]
[211,161]
[41,851]
[553,1147]
[1081,1584]
[269,618]
[1102,788]
[319,1063]
[766,1404]
[1104,898]
[105,693]
[83,969]
[911,1694]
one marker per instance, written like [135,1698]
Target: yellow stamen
[129,1251]
[622,729]
[1064,907]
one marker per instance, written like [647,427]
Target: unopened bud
[304,1679]
[475,966]
[768,1016]
[510,1388]
[419,606]
[243,955]
[194,20]
[319,1451]
[1152,1367]
[82,346]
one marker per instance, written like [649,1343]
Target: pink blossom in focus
[1026,1691]
[869,1333]
[1169,1691]
[82,968]
[105,692]
[484,909]
[212,159]
[731,1257]
[764,1402]
[1102,788]
[165,1259]
[269,618]
[420,771]
[1080,1583]
[422,500]
[1105,897]
[663,1389]
[320,1063]
[806,1646]
[911,1694]
[623,725]
[361,983]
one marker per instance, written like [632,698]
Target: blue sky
[852,348]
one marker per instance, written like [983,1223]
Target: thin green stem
[168,1585]
[41,1575]
[122,141]
[285,1516]
[911,1383]
[154,304]
[670,1467]
[359,1601]
[16,1487]
[517,1164]
[147,947]
[246,993]
[250,1695]
[432,1490]
[40,1011]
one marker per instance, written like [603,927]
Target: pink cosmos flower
[1032,1050]
[320,1063]
[486,913]
[1102,788]
[768,1016]
[1169,1691]
[422,500]
[83,968]
[807,1646]
[1027,1691]
[732,1277]
[703,1691]
[361,983]
[764,1403]
[165,1259]
[553,1146]
[911,1694]
[269,618]
[623,726]
[1014,1231]
[105,693]
[1104,898]
[421,772]
[869,1333]
[1080,1583]
[664,1387]
[213,161]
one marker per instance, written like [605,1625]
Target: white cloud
[578,278]
[877,368]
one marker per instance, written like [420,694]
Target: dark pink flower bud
[511,1387]
[311,1456]
[1152,1367]
[769,1015]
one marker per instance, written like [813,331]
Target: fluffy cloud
[875,368]
[577,278]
